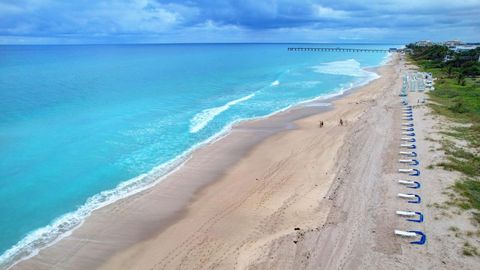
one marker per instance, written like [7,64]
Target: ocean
[82,126]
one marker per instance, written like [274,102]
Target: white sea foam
[305,84]
[363,80]
[350,67]
[201,119]
[386,59]
[275,83]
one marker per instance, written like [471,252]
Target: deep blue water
[77,121]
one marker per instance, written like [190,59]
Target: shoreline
[264,128]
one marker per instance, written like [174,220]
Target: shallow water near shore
[82,126]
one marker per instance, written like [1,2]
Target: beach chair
[408,153]
[412,198]
[411,172]
[423,237]
[408,145]
[410,184]
[409,214]
[412,162]
[408,139]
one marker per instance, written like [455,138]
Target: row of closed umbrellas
[409,162]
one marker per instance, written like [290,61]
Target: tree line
[457,64]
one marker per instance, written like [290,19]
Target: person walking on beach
[341,122]
[320,124]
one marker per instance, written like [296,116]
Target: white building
[460,48]
[453,43]
[424,43]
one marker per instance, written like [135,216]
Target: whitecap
[275,83]
[201,119]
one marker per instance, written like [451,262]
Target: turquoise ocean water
[82,126]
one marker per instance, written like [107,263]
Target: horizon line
[196,43]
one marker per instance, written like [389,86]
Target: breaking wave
[201,119]
[350,67]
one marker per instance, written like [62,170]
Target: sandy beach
[276,193]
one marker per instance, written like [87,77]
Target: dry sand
[279,193]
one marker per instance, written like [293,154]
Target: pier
[304,49]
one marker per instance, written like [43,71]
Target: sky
[198,21]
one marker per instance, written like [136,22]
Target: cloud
[114,21]
[91,18]
[326,12]
[8,9]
